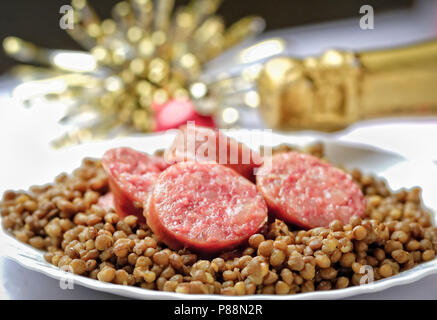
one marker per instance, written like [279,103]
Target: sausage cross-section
[201,144]
[303,190]
[131,176]
[205,207]
[106,201]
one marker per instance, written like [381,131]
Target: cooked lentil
[63,220]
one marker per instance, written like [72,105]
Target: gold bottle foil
[338,88]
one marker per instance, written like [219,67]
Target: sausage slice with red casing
[202,144]
[131,176]
[205,207]
[106,201]
[303,190]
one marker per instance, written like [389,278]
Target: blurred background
[17,16]
[391,90]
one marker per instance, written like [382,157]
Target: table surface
[25,132]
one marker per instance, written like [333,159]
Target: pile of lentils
[78,236]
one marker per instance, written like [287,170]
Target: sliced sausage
[303,190]
[131,176]
[196,143]
[106,201]
[205,207]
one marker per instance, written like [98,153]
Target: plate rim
[34,261]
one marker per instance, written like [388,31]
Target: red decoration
[177,112]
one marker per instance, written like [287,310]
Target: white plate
[398,172]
